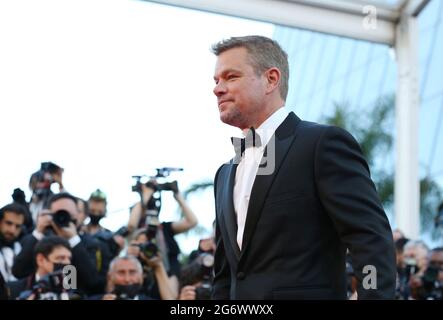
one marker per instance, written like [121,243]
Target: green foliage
[373,130]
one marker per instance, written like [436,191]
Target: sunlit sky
[109,89]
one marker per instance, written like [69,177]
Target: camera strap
[160,238]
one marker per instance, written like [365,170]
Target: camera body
[433,288]
[49,287]
[43,179]
[149,249]
[204,291]
[161,173]
[62,218]
[199,270]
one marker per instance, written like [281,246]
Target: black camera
[432,287]
[199,270]
[49,287]
[411,268]
[161,173]
[167,186]
[126,292]
[206,263]
[149,249]
[62,218]
[43,179]
[204,291]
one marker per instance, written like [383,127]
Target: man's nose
[219,89]
[127,279]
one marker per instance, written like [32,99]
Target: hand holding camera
[44,221]
[60,222]
[66,232]
[187,293]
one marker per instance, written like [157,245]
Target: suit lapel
[284,136]
[228,208]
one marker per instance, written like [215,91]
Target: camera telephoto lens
[61,218]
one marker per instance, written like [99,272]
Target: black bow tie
[4,243]
[252,139]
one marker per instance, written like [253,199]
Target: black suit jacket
[19,286]
[84,258]
[319,201]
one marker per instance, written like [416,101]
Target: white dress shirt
[248,166]
[7,256]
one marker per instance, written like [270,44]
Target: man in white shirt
[12,218]
[296,195]
[51,254]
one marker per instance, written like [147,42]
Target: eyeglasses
[98,194]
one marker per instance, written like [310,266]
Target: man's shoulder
[320,129]
[16,287]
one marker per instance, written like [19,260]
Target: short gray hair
[416,244]
[264,53]
[128,258]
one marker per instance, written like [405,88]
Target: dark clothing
[3,291]
[15,288]
[138,297]
[85,257]
[109,249]
[173,249]
[318,201]
[150,286]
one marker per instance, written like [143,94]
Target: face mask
[127,291]
[95,219]
[59,266]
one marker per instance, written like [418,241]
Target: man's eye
[230,77]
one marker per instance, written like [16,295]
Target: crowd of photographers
[54,247]
[419,270]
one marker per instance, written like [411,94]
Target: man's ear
[109,284]
[273,76]
[39,259]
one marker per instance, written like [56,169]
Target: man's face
[418,254]
[81,212]
[436,260]
[11,225]
[59,254]
[97,208]
[68,205]
[240,91]
[125,272]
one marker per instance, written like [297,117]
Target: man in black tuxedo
[86,251]
[51,254]
[296,196]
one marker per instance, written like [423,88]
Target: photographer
[415,254]
[156,282]
[124,281]
[429,284]
[166,230]
[51,254]
[111,243]
[12,217]
[206,245]
[19,197]
[40,185]
[61,220]
[196,278]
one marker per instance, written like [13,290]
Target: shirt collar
[270,125]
